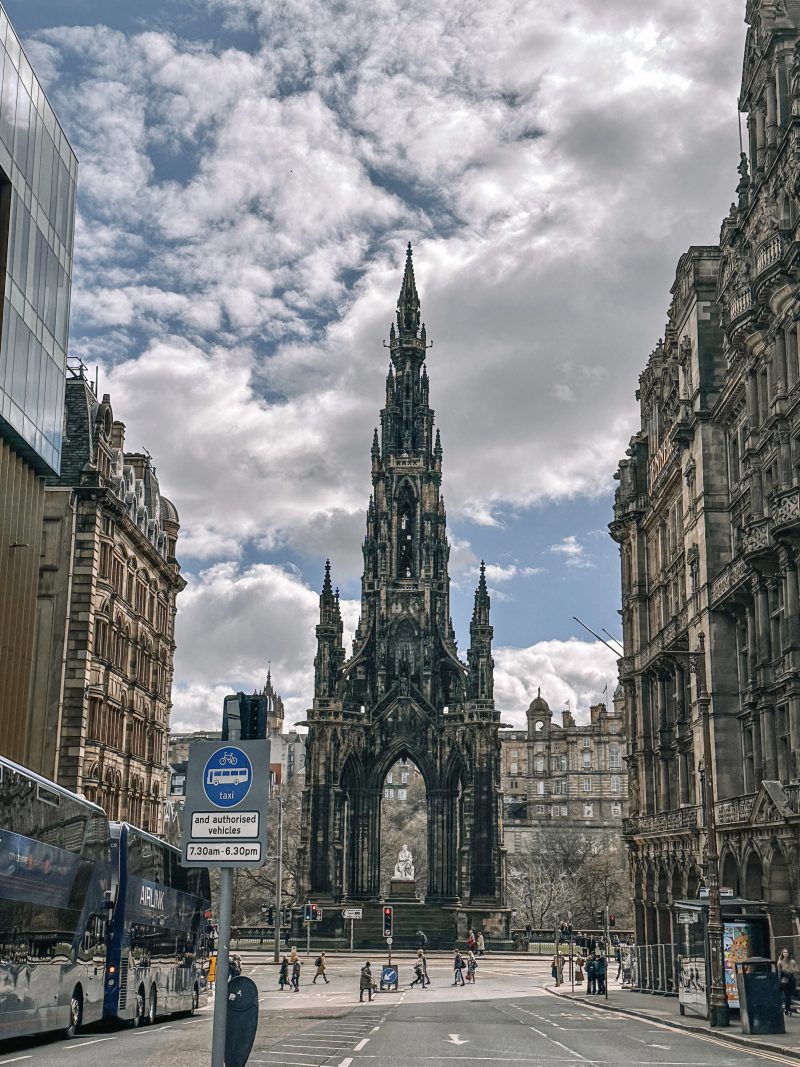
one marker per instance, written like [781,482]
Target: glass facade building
[38,172]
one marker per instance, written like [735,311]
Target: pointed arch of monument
[404,747]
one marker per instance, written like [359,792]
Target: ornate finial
[327,591]
[538,692]
[408,301]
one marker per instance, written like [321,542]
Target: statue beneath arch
[404,691]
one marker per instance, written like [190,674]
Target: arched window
[405,536]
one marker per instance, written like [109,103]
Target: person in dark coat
[458,968]
[296,976]
[601,974]
[283,974]
[591,975]
[422,940]
[366,983]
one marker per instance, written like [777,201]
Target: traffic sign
[225,816]
[389,940]
[228,776]
[353,913]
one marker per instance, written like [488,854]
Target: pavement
[510,1017]
[666,1011]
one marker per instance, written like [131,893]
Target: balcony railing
[736,809]
[733,574]
[770,252]
[785,509]
[741,303]
[663,822]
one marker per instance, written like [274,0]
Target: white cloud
[495,572]
[574,671]
[573,552]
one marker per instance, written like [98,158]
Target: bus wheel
[152,1007]
[138,1015]
[75,1013]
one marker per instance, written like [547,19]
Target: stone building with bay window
[707,516]
[100,698]
[565,777]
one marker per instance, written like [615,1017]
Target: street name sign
[352,913]
[225,814]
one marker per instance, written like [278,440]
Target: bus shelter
[745,934]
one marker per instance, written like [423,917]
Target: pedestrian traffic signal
[601,918]
[312,913]
[388,913]
[286,916]
[612,920]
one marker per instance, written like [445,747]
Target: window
[587,785]
[556,811]
[514,753]
[563,763]
[587,759]
[540,763]
[514,766]
[404,778]
[540,809]
[540,788]
[614,783]
[388,793]
[402,794]
[389,777]
[614,756]
[564,810]
[616,809]
[588,811]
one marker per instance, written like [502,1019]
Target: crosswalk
[322,1044]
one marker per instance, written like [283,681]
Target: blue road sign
[389,976]
[227,777]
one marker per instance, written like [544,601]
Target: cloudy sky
[250,174]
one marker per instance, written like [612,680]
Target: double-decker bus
[55,882]
[158,943]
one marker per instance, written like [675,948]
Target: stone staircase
[437,923]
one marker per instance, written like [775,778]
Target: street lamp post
[718,1012]
[278,881]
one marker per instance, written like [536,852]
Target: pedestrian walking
[296,975]
[234,965]
[458,968]
[601,974]
[618,957]
[787,976]
[554,969]
[422,940]
[580,963]
[292,954]
[481,944]
[283,974]
[319,963]
[591,975]
[472,966]
[471,942]
[366,984]
[419,973]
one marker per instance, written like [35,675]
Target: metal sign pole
[278,881]
[605,948]
[352,924]
[223,964]
[308,938]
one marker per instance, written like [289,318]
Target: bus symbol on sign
[227,777]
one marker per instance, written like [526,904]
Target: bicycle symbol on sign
[229,758]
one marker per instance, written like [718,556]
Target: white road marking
[454,1039]
[94,1041]
[364,1041]
[16,1058]
[347,1062]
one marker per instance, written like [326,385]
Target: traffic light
[601,919]
[286,916]
[307,913]
[612,920]
[312,913]
[270,916]
[388,913]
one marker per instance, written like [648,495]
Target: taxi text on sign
[225,815]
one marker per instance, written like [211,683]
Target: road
[508,1017]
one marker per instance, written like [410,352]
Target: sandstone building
[38,172]
[707,517]
[104,641]
[563,776]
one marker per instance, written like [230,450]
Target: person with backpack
[458,968]
[319,963]
[283,974]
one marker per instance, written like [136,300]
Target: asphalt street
[508,1017]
